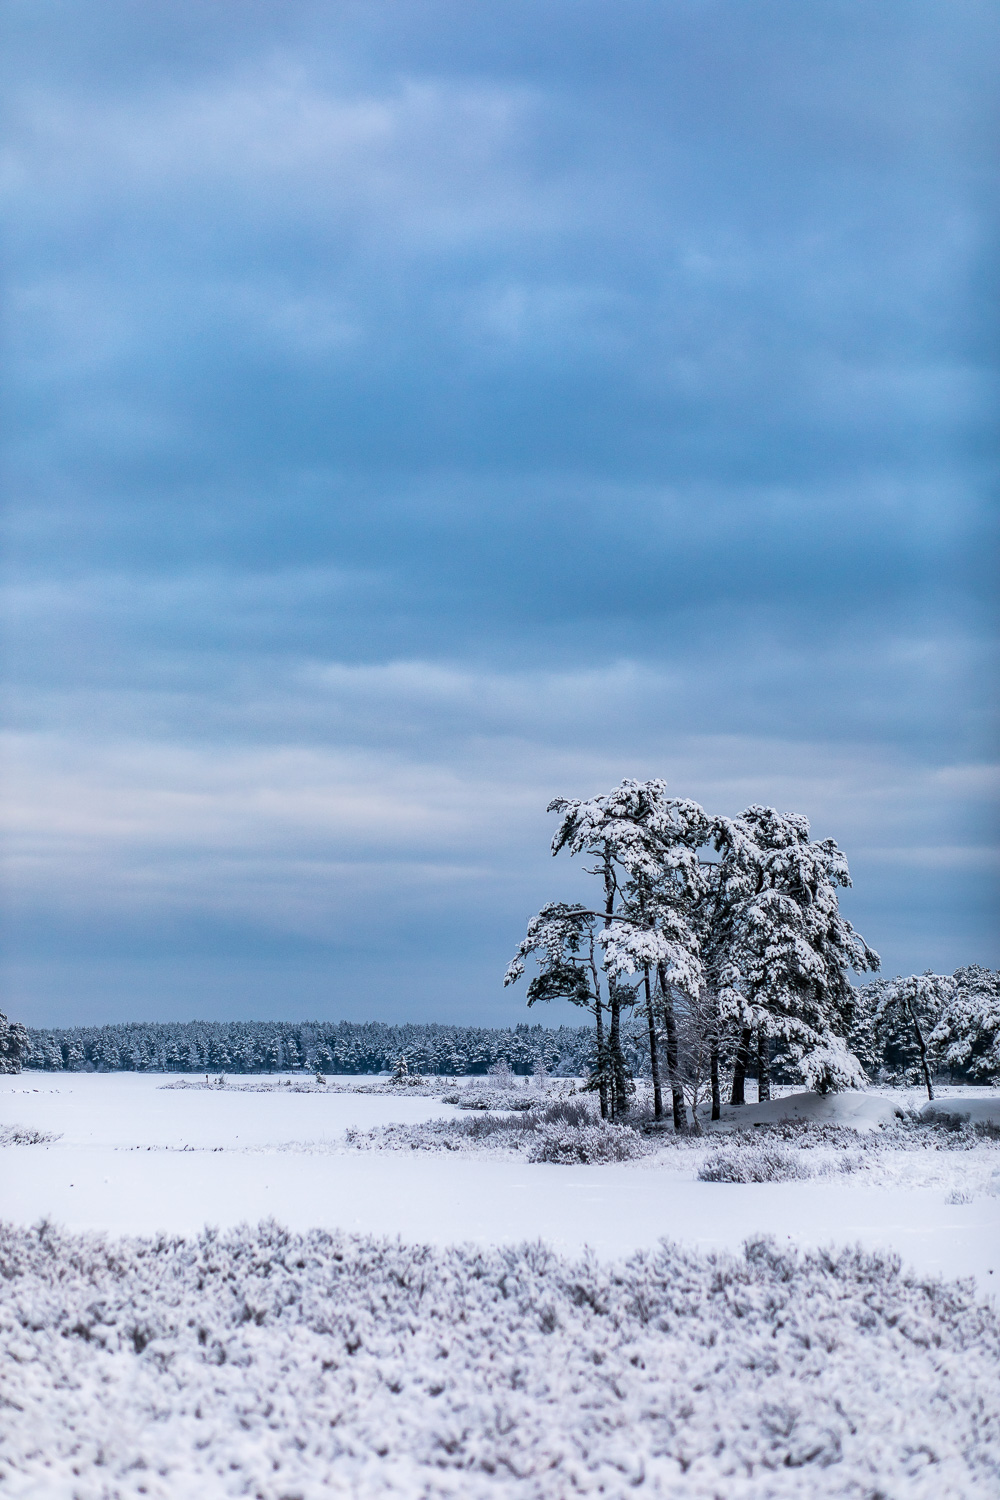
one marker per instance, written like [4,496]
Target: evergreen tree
[967,1034]
[779,952]
[917,1004]
[14,1045]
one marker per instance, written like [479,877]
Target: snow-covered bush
[569,1112]
[572,1144]
[754,1162]
[25,1135]
[805,1134]
[504,1132]
[473,1097]
[261,1363]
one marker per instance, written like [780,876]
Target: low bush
[262,1363]
[25,1135]
[568,1112]
[515,1101]
[572,1144]
[754,1162]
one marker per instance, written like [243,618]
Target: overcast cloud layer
[418,411]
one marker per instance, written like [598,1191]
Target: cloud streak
[409,423]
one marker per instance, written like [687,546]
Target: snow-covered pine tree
[561,938]
[645,845]
[776,947]
[916,1004]
[967,1033]
[13,1044]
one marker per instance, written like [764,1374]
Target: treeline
[956,1018]
[321,1047]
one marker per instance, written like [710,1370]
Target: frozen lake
[134,1157]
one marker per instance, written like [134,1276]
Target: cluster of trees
[278,1046]
[930,1024]
[725,936]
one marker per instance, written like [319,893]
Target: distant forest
[321,1047]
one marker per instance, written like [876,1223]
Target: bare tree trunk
[616,1059]
[923,1050]
[654,1056]
[740,1064]
[763,1066]
[602,1059]
[673,1058]
[619,1101]
[716,1093]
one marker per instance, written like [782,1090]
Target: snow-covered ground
[280,1367]
[133,1156]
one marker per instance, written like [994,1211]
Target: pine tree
[967,1034]
[917,1003]
[778,949]
[13,1045]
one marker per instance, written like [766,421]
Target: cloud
[411,419]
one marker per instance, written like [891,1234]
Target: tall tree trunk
[763,1066]
[601,1056]
[716,1093]
[616,1059]
[619,1103]
[740,1065]
[673,1055]
[923,1050]
[654,1056]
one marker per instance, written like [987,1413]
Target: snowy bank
[275,1365]
[979,1110]
[856,1109]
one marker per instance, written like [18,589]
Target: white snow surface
[421,1325]
[134,1157]
[859,1111]
[982,1110]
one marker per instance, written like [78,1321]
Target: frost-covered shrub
[472,1097]
[25,1135]
[572,1144]
[568,1112]
[262,1363]
[805,1134]
[754,1162]
[426,1135]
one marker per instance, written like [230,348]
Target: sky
[416,412]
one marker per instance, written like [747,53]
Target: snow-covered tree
[917,1004]
[966,1034]
[645,844]
[561,938]
[776,947]
[752,940]
[13,1045]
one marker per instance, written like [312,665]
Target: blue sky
[416,412]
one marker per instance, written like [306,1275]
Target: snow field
[263,1363]
[135,1158]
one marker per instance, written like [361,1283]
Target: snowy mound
[267,1364]
[853,1108]
[981,1111]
